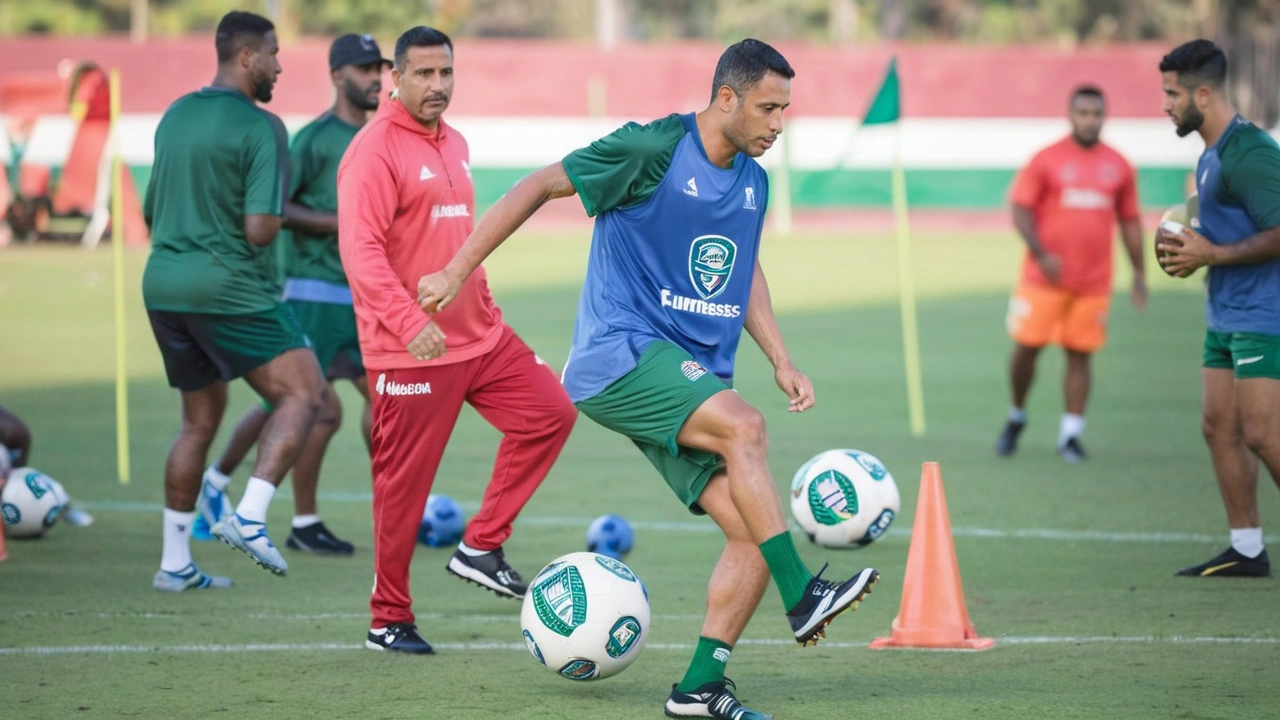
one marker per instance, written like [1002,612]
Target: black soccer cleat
[399,637]
[1072,451]
[1230,563]
[318,539]
[823,600]
[489,570]
[713,700]
[1007,443]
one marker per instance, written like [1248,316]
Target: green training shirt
[218,158]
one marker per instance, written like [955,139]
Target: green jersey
[315,154]
[218,158]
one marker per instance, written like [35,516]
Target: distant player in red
[1065,203]
[405,206]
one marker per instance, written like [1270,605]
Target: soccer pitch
[1070,568]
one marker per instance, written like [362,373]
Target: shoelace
[825,585]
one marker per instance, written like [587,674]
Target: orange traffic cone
[933,613]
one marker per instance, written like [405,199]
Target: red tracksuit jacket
[405,206]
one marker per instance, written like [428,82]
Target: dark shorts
[650,404]
[331,328]
[1249,355]
[201,349]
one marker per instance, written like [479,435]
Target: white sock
[177,540]
[1017,415]
[1247,541]
[301,521]
[470,551]
[257,496]
[215,478]
[1072,427]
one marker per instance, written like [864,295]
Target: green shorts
[331,328]
[1250,355]
[650,404]
[200,349]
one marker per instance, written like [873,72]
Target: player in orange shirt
[1065,202]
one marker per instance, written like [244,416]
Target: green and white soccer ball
[585,616]
[31,503]
[844,498]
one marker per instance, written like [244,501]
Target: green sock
[786,567]
[709,659]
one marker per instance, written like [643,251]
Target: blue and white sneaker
[212,505]
[188,578]
[250,538]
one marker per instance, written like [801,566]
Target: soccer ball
[585,616]
[844,498]
[442,522]
[31,503]
[1177,217]
[610,535]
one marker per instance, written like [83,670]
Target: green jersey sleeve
[267,163]
[625,166]
[1255,182]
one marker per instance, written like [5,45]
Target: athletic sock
[1247,541]
[302,521]
[707,666]
[786,567]
[470,551]
[1072,427]
[257,496]
[1017,415]
[177,540]
[216,478]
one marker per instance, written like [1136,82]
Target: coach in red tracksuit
[405,205]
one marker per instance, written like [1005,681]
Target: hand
[437,290]
[1138,295]
[1050,265]
[797,386]
[1185,252]
[428,344]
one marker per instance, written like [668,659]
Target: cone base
[977,643]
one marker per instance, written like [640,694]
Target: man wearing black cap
[317,289]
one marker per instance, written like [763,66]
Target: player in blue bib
[672,279]
[1238,184]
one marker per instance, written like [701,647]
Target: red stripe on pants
[414,412]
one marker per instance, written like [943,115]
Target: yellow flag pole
[906,290]
[117,253]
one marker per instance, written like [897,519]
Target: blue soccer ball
[442,522]
[610,535]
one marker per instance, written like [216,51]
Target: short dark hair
[238,30]
[1092,91]
[745,63]
[420,36]
[1197,63]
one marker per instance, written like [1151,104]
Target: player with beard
[1238,184]
[317,290]
[1065,203]
[215,202]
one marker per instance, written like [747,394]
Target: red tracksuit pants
[414,412]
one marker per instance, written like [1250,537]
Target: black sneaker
[823,600]
[399,637]
[1230,563]
[1072,451]
[489,570]
[316,538]
[1007,443]
[713,700]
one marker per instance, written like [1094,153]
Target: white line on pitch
[304,617]
[709,527]
[490,646]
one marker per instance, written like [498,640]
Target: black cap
[352,49]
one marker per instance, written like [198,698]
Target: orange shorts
[1040,315]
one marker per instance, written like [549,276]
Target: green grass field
[1070,567]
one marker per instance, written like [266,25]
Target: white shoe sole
[848,601]
[470,574]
